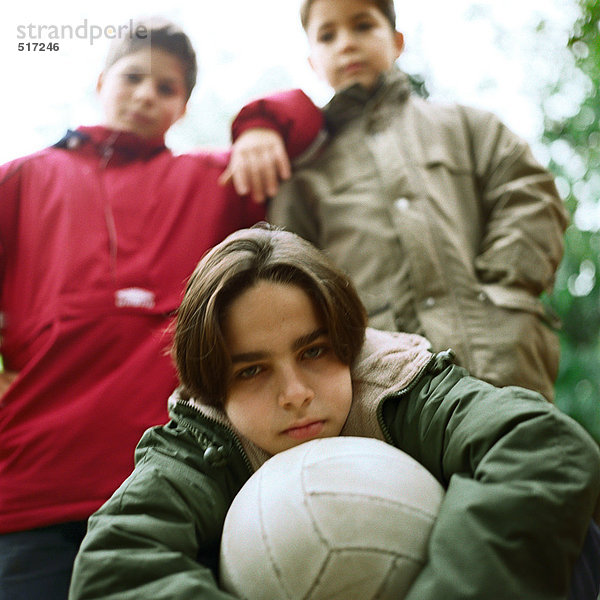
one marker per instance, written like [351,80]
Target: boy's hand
[6,379]
[258,163]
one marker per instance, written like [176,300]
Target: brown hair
[262,252]
[155,32]
[386,7]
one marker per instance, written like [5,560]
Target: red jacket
[97,239]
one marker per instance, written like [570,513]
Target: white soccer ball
[341,518]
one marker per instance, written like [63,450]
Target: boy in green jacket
[272,350]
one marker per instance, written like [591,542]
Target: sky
[476,52]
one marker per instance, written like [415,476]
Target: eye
[133,77]
[166,89]
[314,352]
[364,26]
[325,37]
[249,372]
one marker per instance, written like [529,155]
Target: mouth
[305,431]
[353,67]
[140,118]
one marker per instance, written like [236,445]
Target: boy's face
[143,93]
[287,385]
[351,42]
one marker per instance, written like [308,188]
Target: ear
[182,113]
[399,41]
[315,69]
[100,82]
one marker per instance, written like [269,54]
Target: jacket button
[401,204]
[429,302]
[481,297]
[215,456]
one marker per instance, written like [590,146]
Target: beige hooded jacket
[444,220]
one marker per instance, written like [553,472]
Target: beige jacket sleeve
[523,240]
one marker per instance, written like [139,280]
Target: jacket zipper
[236,441]
[386,433]
[109,219]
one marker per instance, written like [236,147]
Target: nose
[145,90]
[345,40]
[294,390]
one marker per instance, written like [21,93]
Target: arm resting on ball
[146,540]
[522,481]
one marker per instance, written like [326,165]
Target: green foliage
[574,143]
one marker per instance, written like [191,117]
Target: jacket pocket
[439,156]
[521,300]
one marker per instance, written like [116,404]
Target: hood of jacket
[350,102]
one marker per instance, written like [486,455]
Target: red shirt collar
[125,144]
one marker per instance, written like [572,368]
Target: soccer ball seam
[333,552]
[267,545]
[409,508]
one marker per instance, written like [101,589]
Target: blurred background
[536,63]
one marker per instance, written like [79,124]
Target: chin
[366,84]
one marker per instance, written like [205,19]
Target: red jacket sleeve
[291,113]
[10,182]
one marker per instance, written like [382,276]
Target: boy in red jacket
[98,235]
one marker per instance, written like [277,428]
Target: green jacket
[445,222]
[521,482]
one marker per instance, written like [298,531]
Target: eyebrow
[144,69]
[302,341]
[355,17]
